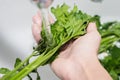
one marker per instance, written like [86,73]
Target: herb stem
[36,63]
[7,76]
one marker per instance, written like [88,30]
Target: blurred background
[16,38]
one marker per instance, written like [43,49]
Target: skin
[79,60]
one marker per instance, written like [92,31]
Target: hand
[73,62]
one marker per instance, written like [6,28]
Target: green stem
[109,33]
[36,63]
[7,76]
[107,42]
[33,65]
[107,39]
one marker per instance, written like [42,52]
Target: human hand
[71,63]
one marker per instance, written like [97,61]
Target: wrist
[75,72]
[89,60]
[94,69]
[76,76]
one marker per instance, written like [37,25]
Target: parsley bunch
[69,25]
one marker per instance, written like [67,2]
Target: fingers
[36,32]
[37,19]
[36,27]
[93,36]
[51,20]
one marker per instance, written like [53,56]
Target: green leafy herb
[17,62]
[112,62]
[70,25]
[4,70]
[110,38]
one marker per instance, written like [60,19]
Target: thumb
[91,28]
[93,35]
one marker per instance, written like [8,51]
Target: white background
[16,38]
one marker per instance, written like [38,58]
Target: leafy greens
[70,25]
[110,33]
